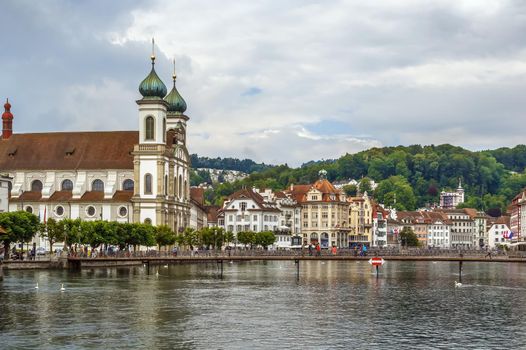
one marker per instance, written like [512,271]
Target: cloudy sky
[279,81]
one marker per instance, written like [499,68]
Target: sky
[276,81]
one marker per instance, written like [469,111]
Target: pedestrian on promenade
[334,250]
[311,248]
[318,249]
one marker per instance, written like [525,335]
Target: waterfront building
[393,229]
[246,210]
[450,200]
[379,227]
[5,188]
[360,220]
[416,222]
[126,176]
[464,230]
[198,212]
[499,232]
[517,211]
[324,213]
[212,216]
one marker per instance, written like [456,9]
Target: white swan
[36,287]
[62,289]
[165,265]
[157,274]
[458,284]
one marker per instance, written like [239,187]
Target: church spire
[7,121]
[176,103]
[152,86]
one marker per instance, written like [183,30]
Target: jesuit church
[126,176]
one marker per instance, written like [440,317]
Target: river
[261,305]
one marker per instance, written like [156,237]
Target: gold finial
[153,51]
[174,75]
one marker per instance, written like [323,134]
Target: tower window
[127,185]
[36,186]
[180,186]
[165,185]
[149,128]
[97,186]
[67,185]
[164,129]
[148,184]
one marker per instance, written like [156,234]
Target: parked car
[41,251]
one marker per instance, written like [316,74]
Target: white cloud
[268,79]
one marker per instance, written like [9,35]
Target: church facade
[126,176]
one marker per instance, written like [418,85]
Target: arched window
[175,186]
[165,185]
[36,186]
[127,185]
[164,129]
[149,128]
[180,186]
[148,221]
[97,186]
[186,190]
[67,185]
[148,184]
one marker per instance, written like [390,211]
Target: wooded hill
[414,175]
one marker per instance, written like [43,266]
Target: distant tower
[7,121]
[460,191]
[175,118]
[322,174]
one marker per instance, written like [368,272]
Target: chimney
[7,121]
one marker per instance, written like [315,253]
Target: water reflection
[262,305]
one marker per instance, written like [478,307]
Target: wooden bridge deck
[195,259]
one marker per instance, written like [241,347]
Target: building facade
[126,176]
[324,213]
[450,200]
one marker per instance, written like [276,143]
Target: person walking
[311,248]
[334,250]
[318,249]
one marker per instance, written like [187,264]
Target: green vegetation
[20,226]
[246,165]
[408,237]
[415,174]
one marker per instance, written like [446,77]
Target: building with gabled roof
[325,215]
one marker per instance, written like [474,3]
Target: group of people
[315,249]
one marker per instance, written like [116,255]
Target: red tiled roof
[92,196]
[212,212]
[198,195]
[68,150]
[60,196]
[122,196]
[30,196]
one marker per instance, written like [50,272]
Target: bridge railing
[385,252]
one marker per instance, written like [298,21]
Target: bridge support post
[377,271]
[297,262]
[220,261]
[460,271]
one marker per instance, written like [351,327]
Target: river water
[261,305]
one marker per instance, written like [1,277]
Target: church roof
[68,150]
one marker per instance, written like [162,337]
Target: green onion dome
[175,101]
[152,85]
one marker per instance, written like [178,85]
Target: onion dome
[152,85]
[7,111]
[175,101]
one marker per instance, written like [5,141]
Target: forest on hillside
[408,177]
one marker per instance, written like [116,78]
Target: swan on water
[36,287]
[62,289]
[458,284]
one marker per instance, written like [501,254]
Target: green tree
[53,231]
[350,190]
[20,226]
[408,237]
[72,232]
[164,236]
[396,192]
[246,238]
[264,238]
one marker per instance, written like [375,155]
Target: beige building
[324,213]
[360,220]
